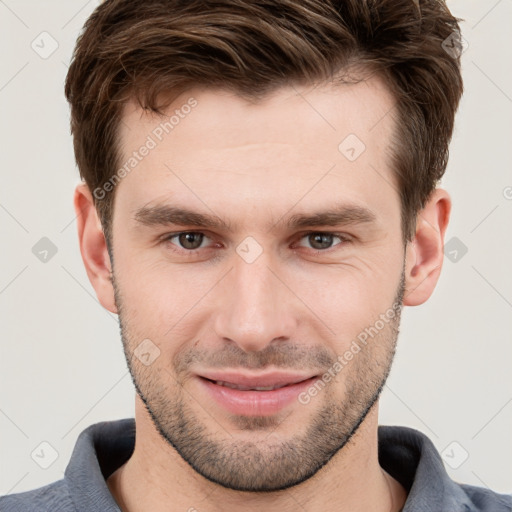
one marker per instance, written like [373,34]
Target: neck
[351,481]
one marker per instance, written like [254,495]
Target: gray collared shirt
[406,454]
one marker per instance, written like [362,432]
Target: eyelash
[192,252]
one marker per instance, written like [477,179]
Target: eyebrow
[164,215]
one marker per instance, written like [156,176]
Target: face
[257,241]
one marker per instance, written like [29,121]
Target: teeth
[246,388]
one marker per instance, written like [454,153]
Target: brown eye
[189,240]
[320,240]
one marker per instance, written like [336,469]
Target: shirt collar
[100,449]
[406,454]
[410,457]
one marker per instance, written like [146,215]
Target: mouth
[247,381]
[247,388]
[254,396]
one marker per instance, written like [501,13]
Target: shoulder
[485,500]
[50,498]
[410,457]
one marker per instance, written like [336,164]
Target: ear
[425,254]
[94,247]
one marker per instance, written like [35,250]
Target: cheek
[162,301]
[349,298]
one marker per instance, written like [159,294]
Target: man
[259,203]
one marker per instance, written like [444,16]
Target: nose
[255,306]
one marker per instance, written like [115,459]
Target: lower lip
[254,403]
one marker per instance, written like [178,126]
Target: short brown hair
[143,49]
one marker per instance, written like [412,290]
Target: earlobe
[424,254]
[93,247]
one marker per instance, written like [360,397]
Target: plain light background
[62,367]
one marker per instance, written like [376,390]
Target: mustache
[296,357]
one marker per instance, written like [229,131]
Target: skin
[254,165]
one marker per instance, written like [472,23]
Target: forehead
[359,107]
[212,141]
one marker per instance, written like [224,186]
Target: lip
[255,403]
[254,380]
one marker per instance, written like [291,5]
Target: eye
[188,240]
[322,241]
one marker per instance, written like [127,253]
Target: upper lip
[253,380]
